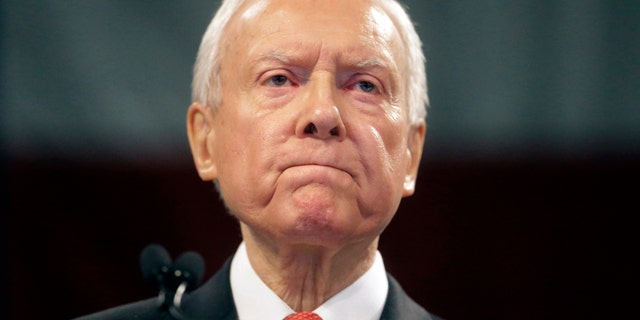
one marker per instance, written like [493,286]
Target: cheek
[380,196]
[247,149]
[240,133]
[388,147]
[237,171]
[385,160]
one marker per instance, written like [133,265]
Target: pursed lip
[326,160]
[319,153]
[312,164]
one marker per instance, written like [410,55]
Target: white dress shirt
[362,300]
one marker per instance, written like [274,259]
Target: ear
[201,137]
[414,152]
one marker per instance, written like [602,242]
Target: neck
[305,276]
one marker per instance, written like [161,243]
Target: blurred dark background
[525,196]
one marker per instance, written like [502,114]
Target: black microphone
[172,280]
[188,271]
[155,263]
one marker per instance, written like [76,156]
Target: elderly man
[309,117]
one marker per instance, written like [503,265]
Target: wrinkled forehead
[364,17]
[360,29]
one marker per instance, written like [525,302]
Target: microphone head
[189,266]
[154,262]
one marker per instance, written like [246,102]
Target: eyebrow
[362,64]
[372,62]
[274,55]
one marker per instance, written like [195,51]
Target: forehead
[329,12]
[358,24]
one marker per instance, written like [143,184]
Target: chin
[316,225]
[308,229]
[330,233]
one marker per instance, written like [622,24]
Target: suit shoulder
[400,306]
[141,310]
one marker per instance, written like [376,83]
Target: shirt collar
[363,299]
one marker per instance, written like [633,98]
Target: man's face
[311,143]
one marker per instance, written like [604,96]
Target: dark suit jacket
[214,301]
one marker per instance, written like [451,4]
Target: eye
[277,81]
[366,86]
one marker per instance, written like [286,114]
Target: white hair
[206,87]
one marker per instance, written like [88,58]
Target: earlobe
[414,152]
[201,137]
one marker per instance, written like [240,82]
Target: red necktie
[303,316]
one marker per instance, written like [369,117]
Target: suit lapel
[400,306]
[214,299]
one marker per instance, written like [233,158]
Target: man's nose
[321,117]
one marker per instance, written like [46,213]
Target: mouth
[300,175]
[320,174]
[318,166]
[317,163]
